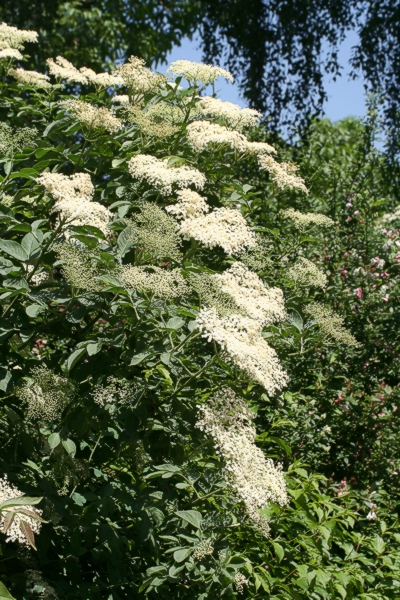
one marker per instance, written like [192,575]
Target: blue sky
[345,97]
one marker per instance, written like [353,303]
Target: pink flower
[356,213]
[385,275]
[344,272]
[358,292]
[386,298]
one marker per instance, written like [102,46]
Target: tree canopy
[279,51]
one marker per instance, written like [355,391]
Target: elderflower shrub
[152,339]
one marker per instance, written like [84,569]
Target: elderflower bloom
[204,548]
[117,391]
[201,134]
[154,280]
[27,519]
[61,68]
[190,205]
[138,78]
[101,80]
[160,119]
[240,581]
[11,53]
[330,324]
[223,227]
[46,395]
[155,234]
[228,420]
[240,337]
[195,72]
[92,117]
[283,174]
[303,220]
[158,174]
[32,78]
[120,99]
[263,304]
[305,272]
[11,37]
[73,195]
[231,114]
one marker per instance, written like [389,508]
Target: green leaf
[125,241]
[53,440]
[30,244]
[14,249]
[94,348]
[69,446]
[138,358]
[175,323]
[4,593]
[183,554]
[190,516]
[34,310]
[279,551]
[20,501]
[75,356]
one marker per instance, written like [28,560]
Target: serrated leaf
[20,501]
[53,440]
[14,249]
[183,554]
[27,530]
[69,446]
[75,356]
[34,310]
[190,516]
[279,551]
[125,241]
[175,323]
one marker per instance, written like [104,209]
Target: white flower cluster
[330,324]
[62,69]
[204,548]
[190,205]
[11,53]
[303,220]
[225,227]
[16,38]
[240,337]
[154,280]
[120,99]
[32,78]
[231,114]
[158,174]
[46,395]
[265,305]
[161,119]
[227,419]
[27,519]
[201,134]
[283,174]
[155,234]
[79,266]
[74,194]
[195,72]
[306,272]
[92,117]
[101,80]
[240,581]
[117,391]
[138,78]
[37,278]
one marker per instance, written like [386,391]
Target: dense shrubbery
[146,238]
